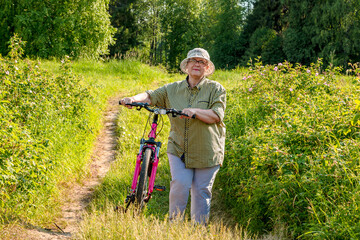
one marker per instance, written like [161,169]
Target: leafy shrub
[55,29]
[36,111]
[292,152]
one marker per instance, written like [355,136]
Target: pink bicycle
[143,183]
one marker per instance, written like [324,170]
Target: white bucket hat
[198,53]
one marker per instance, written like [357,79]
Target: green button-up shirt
[200,144]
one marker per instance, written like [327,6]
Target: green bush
[292,152]
[57,28]
[38,113]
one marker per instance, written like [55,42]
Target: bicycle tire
[143,179]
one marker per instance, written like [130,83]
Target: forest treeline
[162,31]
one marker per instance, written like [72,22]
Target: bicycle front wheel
[141,191]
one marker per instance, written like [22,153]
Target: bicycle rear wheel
[141,190]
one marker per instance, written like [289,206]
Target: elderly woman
[196,143]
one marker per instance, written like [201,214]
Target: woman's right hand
[127,100]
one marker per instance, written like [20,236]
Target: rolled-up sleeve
[158,96]
[218,103]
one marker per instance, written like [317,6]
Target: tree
[298,45]
[182,29]
[326,29]
[58,28]
[123,18]
[226,32]
[263,32]
[7,13]
[337,31]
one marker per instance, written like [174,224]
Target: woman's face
[197,67]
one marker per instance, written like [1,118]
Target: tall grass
[291,163]
[292,152]
[113,225]
[153,223]
[47,130]
[50,116]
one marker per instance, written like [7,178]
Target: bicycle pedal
[159,188]
[129,198]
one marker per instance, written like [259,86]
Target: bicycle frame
[154,161]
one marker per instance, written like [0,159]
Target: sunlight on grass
[116,225]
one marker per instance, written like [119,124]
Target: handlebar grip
[130,104]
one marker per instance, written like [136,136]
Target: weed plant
[292,151]
[46,132]
[109,224]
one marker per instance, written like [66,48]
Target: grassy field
[114,188]
[291,164]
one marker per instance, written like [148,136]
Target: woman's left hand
[188,111]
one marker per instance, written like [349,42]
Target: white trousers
[199,181]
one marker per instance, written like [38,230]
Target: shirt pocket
[203,104]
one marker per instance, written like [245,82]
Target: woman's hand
[142,97]
[188,111]
[127,100]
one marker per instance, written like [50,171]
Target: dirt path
[80,195]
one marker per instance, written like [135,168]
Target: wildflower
[62,61]
[275,68]
[308,71]
[16,68]
[36,66]
[244,78]
[7,73]
[291,89]
[250,89]
[280,64]
[15,61]
[316,74]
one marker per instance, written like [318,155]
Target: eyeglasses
[194,61]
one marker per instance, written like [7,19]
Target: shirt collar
[198,86]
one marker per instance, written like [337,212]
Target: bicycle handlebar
[161,111]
